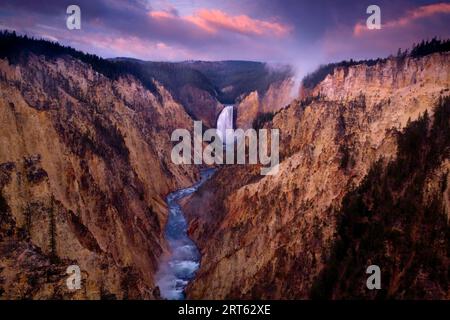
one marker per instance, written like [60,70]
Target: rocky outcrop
[84,168]
[277,96]
[247,110]
[200,104]
[273,236]
[397,219]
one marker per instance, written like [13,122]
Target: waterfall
[225,121]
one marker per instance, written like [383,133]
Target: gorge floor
[179,266]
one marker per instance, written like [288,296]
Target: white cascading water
[225,121]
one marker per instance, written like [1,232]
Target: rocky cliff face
[275,236]
[251,105]
[84,168]
[201,104]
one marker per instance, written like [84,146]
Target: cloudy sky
[303,33]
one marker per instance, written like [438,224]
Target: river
[180,265]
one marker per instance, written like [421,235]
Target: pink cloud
[412,15]
[217,19]
[161,15]
[213,21]
[130,46]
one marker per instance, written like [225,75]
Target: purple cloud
[305,33]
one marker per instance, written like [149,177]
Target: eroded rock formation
[275,236]
[84,169]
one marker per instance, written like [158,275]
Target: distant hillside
[203,86]
[172,75]
[234,78]
[226,80]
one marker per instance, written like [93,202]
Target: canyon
[85,167]
[287,236]
[86,178]
[77,154]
